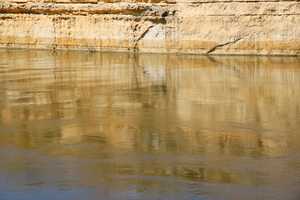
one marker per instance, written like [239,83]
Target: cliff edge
[185,26]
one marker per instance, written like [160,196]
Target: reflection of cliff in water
[198,93]
[238,106]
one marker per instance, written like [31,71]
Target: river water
[86,125]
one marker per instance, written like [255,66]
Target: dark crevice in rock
[237,1]
[144,33]
[140,37]
[221,45]
[52,9]
[54,32]
[153,12]
[5,17]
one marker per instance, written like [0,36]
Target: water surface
[84,125]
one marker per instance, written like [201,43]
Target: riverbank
[200,27]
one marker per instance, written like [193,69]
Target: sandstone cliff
[184,26]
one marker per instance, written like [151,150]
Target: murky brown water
[82,125]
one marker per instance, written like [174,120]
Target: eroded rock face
[186,26]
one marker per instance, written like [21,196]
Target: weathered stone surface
[184,26]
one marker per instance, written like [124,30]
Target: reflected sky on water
[87,125]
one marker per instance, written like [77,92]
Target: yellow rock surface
[181,26]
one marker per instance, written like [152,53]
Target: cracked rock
[156,11]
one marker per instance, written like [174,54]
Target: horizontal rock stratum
[185,26]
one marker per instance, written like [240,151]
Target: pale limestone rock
[183,26]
